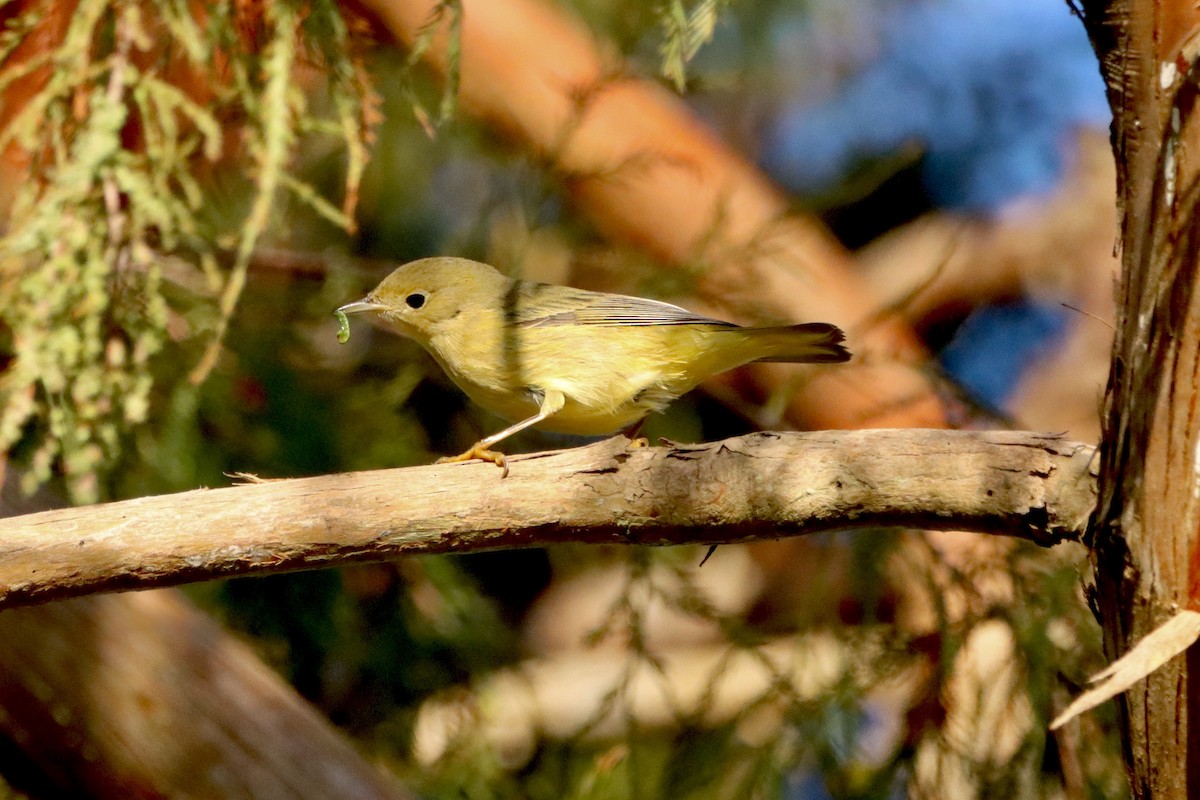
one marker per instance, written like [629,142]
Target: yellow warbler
[565,359]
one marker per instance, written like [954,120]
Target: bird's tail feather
[812,342]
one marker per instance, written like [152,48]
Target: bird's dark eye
[415,300]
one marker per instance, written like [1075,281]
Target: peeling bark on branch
[766,485]
[1146,534]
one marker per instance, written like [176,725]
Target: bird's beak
[361,306]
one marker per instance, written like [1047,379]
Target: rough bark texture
[758,486]
[1148,517]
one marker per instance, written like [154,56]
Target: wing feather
[542,304]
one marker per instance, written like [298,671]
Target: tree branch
[766,485]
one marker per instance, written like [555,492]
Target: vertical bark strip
[1148,516]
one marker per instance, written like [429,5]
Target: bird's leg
[552,403]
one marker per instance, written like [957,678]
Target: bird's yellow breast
[611,377]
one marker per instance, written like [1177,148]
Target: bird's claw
[481,453]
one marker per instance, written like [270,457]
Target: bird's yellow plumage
[565,359]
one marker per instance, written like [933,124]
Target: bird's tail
[812,342]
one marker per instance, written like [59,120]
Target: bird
[563,359]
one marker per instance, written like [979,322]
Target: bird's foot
[481,453]
[631,433]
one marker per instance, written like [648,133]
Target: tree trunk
[1146,523]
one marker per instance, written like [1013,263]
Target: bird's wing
[543,304]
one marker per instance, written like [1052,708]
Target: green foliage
[446,13]
[127,106]
[844,737]
[686,28]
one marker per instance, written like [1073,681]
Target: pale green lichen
[84,312]
[687,26]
